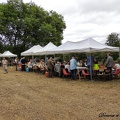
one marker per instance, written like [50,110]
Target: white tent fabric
[8,54]
[88,45]
[91,45]
[45,49]
[31,50]
[64,48]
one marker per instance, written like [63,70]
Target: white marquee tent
[45,49]
[31,50]
[8,54]
[64,48]
[88,45]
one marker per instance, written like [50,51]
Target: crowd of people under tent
[55,66]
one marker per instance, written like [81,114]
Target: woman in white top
[117,65]
[67,66]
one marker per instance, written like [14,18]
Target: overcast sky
[85,18]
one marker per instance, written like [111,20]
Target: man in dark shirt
[90,60]
[23,61]
[109,63]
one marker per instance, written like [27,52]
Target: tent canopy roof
[8,54]
[87,45]
[31,50]
[44,50]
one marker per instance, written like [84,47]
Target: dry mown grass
[32,96]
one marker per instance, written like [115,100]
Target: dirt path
[32,96]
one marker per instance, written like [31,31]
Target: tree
[113,40]
[24,25]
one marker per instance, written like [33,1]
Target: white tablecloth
[81,68]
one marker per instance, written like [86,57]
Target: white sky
[85,18]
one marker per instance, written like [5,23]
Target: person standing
[23,61]
[16,62]
[50,67]
[109,63]
[90,61]
[73,65]
[5,63]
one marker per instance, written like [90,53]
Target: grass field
[32,96]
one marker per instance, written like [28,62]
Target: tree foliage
[24,25]
[113,40]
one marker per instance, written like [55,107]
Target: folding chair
[65,74]
[101,73]
[85,74]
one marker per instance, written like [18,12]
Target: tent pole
[119,56]
[90,66]
[69,56]
[45,59]
[119,51]
[63,57]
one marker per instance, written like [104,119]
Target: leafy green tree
[24,25]
[113,40]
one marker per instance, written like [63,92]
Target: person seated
[116,69]
[30,65]
[117,65]
[67,67]
[96,65]
[43,62]
[62,65]
[102,66]
[40,66]
[57,68]
[80,63]
[85,62]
